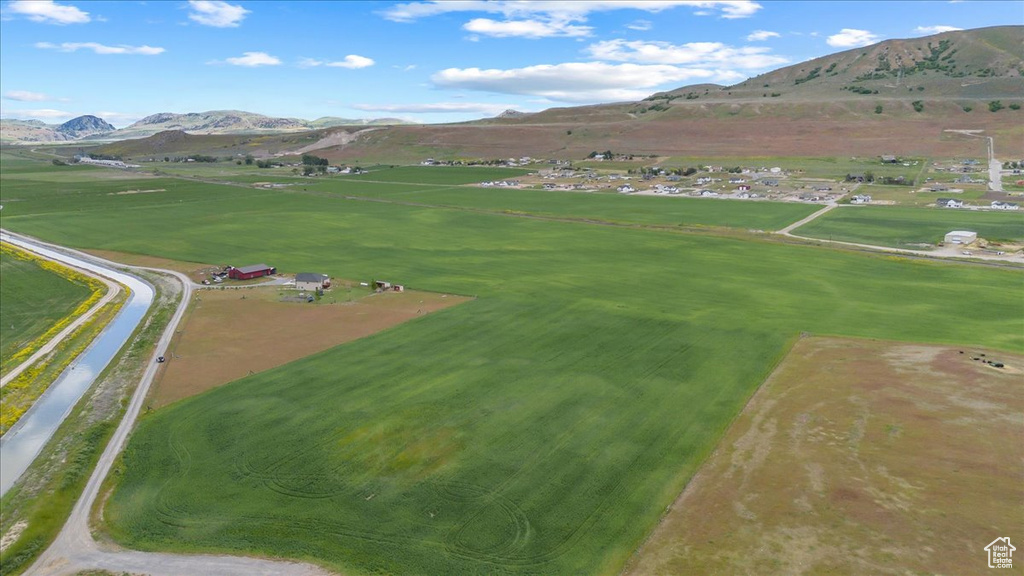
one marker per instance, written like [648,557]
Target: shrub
[918,105]
[995,106]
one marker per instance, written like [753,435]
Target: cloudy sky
[422,61]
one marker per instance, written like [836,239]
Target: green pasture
[899,226]
[541,428]
[31,301]
[615,208]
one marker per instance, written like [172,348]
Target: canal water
[23,442]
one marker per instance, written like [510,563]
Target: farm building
[961,237]
[250,272]
[310,281]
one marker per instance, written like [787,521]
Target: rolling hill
[897,95]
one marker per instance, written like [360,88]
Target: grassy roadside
[35,509]
[19,394]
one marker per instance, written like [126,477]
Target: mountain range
[212,122]
[948,78]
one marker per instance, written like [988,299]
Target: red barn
[250,272]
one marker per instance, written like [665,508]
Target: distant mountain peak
[83,126]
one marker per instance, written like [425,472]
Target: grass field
[857,457]
[31,301]
[541,428]
[902,226]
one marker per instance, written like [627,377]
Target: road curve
[75,550]
[113,289]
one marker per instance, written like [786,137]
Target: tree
[248,159]
[918,105]
[308,170]
[995,106]
[878,109]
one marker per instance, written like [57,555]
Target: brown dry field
[857,457]
[701,136]
[193,270]
[211,348]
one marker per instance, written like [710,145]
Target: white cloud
[119,118]
[640,25]
[692,54]
[436,108]
[935,29]
[852,38]
[352,61]
[760,35]
[578,81]
[43,113]
[101,48]
[26,96]
[576,10]
[48,11]
[216,13]
[252,60]
[525,28]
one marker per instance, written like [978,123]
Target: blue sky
[421,61]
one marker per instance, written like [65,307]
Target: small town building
[250,272]
[312,282]
[1005,205]
[949,203]
[861,199]
[961,237]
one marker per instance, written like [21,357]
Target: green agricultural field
[616,208]
[31,301]
[437,174]
[900,226]
[541,428]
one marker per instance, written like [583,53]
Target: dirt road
[946,253]
[75,550]
[995,168]
[113,289]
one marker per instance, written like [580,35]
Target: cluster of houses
[345,170]
[995,205]
[107,163]
[501,184]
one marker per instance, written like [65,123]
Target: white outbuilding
[961,237]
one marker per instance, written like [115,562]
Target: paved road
[75,550]
[113,289]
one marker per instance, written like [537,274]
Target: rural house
[311,282]
[949,203]
[860,199]
[1005,205]
[250,272]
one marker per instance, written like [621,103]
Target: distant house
[626,189]
[743,187]
[939,188]
[860,199]
[949,203]
[743,195]
[310,281]
[889,159]
[965,179]
[1005,205]
[708,193]
[822,188]
[250,272]
[856,177]
[770,182]
[961,237]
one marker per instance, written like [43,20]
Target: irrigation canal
[23,442]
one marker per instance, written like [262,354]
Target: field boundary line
[698,476]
